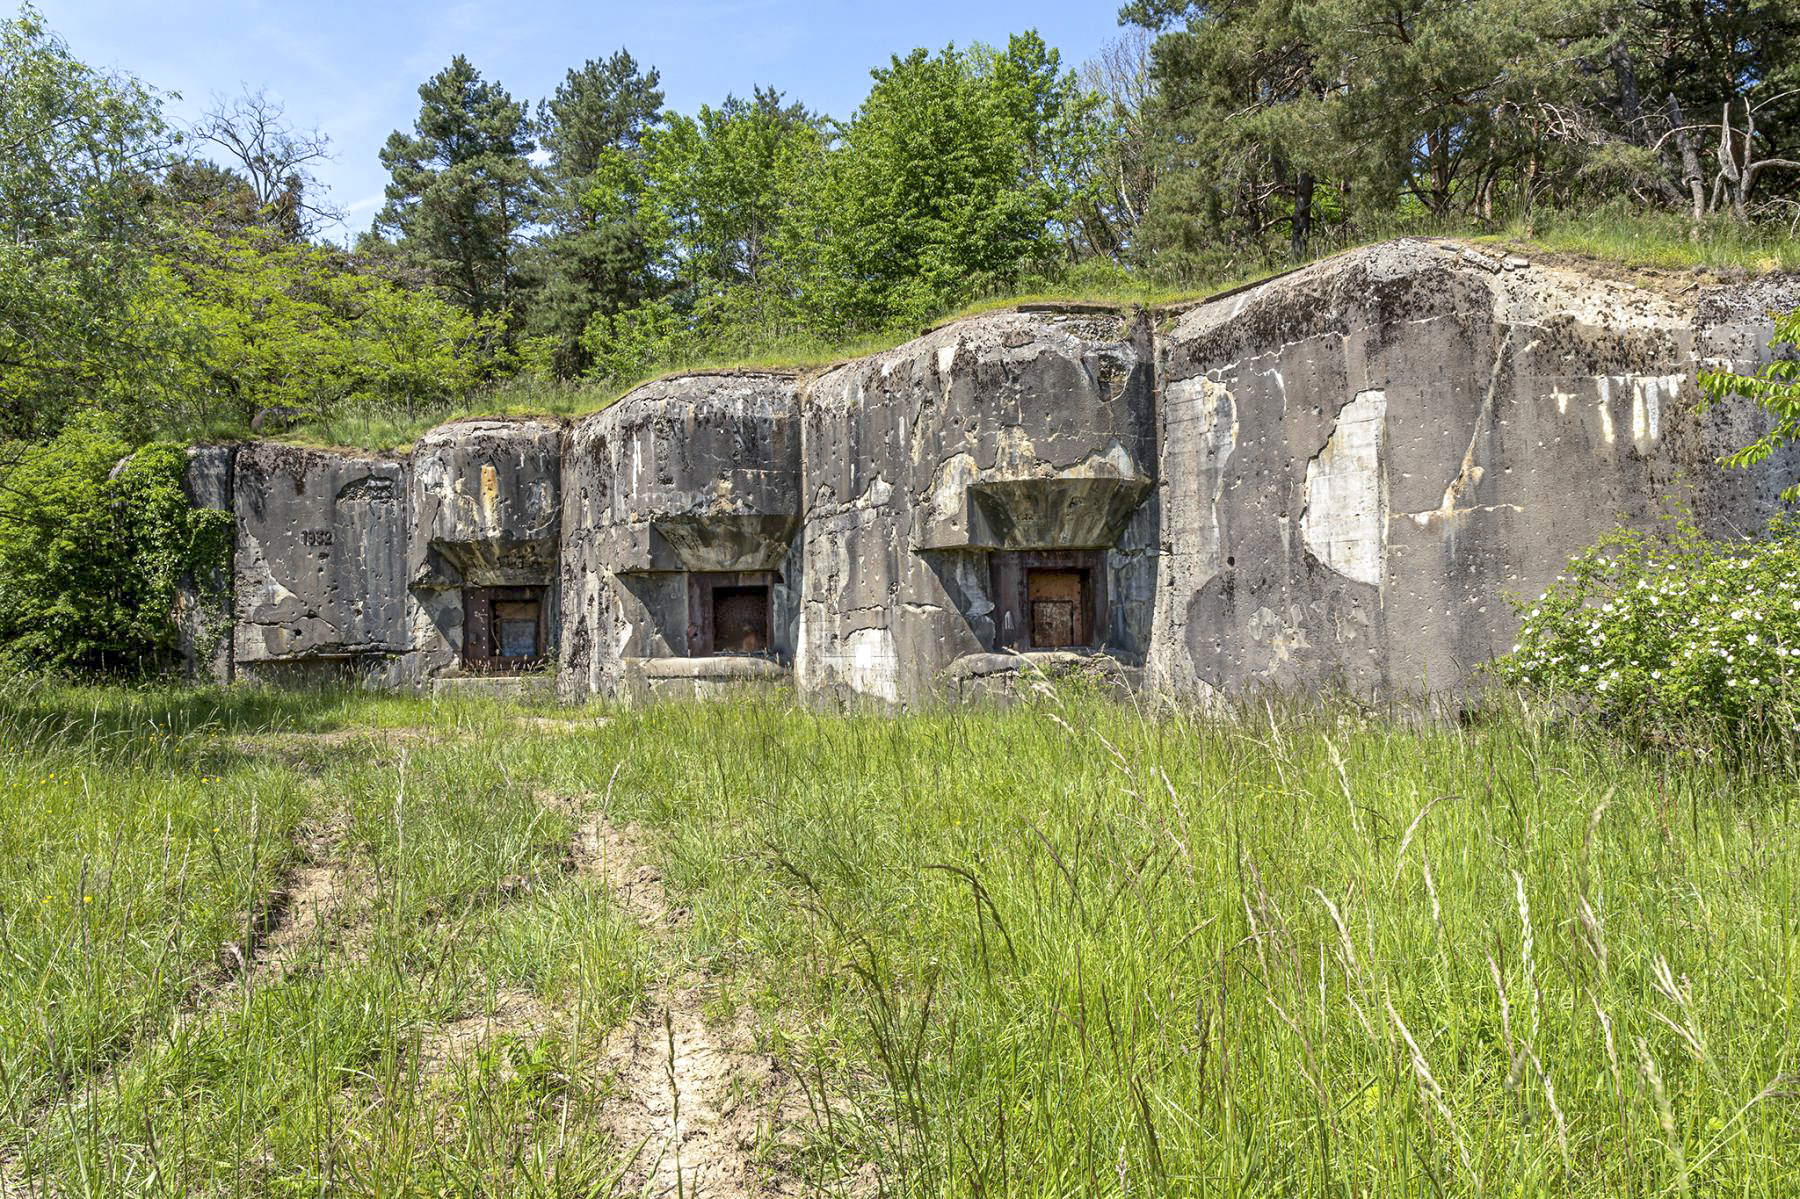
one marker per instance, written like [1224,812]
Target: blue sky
[353,69]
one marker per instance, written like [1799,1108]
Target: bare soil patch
[702,1109]
[513,1013]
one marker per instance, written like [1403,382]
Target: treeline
[1275,122]
[609,233]
[174,277]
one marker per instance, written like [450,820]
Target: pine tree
[602,256]
[464,191]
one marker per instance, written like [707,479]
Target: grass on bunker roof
[1069,947]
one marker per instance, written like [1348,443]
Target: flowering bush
[1682,637]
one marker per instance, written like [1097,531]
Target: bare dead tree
[1739,166]
[1120,73]
[277,159]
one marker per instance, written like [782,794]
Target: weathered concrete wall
[486,502]
[1361,460]
[486,508]
[694,474]
[1007,432]
[321,561]
[1336,476]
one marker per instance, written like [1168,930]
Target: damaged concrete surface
[1523,412]
[1009,432]
[1332,477]
[486,511]
[694,475]
[320,559]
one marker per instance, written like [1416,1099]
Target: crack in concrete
[1470,474]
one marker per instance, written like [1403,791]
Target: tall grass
[1078,948]
[425,1035]
[1072,946]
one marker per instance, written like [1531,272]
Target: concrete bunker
[1048,540]
[688,495]
[484,546]
[997,468]
[1336,475]
[320,586]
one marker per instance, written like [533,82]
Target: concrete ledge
[494,686]
[1050,661]
[699,678]
[999,676]
[714,668]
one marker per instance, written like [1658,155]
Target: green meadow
[331,943]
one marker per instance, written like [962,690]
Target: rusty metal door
[504,628]
[1056,601]
[516,628]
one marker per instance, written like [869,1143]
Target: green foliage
[92,546]
[1284,121]
[929,199]
[274,322]
[464,190]
[602,254]
[1674,636]
[756,221]
[73,231]
[1776,387]
[180,295]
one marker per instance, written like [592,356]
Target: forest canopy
[176,277]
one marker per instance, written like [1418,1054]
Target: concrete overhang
[1053,513]
[487,563]
[703,542]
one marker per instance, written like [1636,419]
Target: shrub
[1672,635]
[1775,387]
[92,547]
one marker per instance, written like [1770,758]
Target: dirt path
[702,1109]
[306,906]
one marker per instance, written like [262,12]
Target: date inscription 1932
[315,537]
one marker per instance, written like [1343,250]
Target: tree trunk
[1690,161]
[1303,200]
[1630,107]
